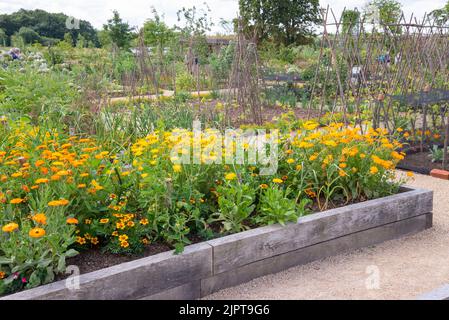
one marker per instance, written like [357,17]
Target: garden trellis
[389,74]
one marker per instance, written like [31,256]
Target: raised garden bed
[418,161]
[210,266]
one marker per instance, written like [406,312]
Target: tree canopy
[46,25]
[441,16]
[284,21]
[119,32]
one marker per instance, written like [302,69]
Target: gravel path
[407,267]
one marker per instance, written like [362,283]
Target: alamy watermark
[72,23]
[235,147]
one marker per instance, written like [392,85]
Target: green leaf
[71,253]
[61,264]
[4,260]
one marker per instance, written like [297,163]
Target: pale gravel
[408,267]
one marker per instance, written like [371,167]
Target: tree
[441,16]
[47,25]
[68,38]
[28,35]
[384,13]
[3,38]
[156,32]
[350,20]
[119,31]
[284,21]
[81,42]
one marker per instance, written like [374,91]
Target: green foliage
[436,153]
[29,91]
[350,19]
[235,205]
[28,35]
[119,32]
[3,38]
[441,16]
[46,25]
[385,13]
[275,206]
[157,33]
[283,21]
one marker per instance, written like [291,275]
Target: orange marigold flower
[36,233]
[40,218]
[72,220]
[42,180]
[58,203]
[10,227]
[17,201]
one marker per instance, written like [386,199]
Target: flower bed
[216,264]
[62,194]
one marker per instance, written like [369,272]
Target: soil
[418,161]
[95,259]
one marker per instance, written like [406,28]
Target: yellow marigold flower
[263,186]
[63,173]
[40,218]
[83,175]
[341,173]
[17,201]
[343,165]
[72,221]
[115,233]
[399,129]
[87,221]
[42,180]
[177,168]
[406,135]
[277,180]
[410,174]
[310,125]
[124,244]
[330,143]
[10,227]
[103,221]
[290,161]
[144,222]
[81,240]
[298,167]
[123,237]
[130,224]
[373,170]
[36,233]
[58,203]
[81,186]
[144,175]
[230,176]
[120,225]
[94,241]
[17,174]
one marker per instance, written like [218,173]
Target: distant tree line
[39,26]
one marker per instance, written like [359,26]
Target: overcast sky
[137,11]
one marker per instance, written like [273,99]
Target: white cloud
[137,11]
